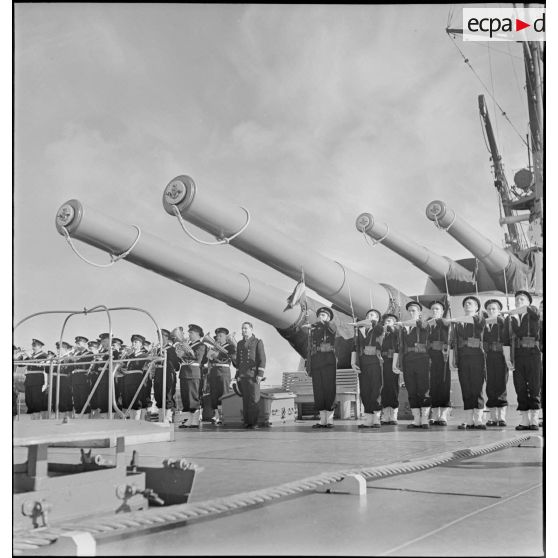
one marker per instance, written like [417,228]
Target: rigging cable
[466,60]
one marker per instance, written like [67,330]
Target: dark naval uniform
[440,375]
[250,364]
[220,375]
[368,348]
[65,402]
[35,378]
[526,343]
[190,377]
[495,336]
[173,365]
[413,343]
[322,365]
[80,379]
[390,383]
[100,397]
[133,372]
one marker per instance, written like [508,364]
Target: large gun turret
[327,277]
[507,271]
[439,268]
[238,290]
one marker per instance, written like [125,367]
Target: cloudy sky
[307,115]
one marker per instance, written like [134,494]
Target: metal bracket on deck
[351,484]
[532,442]
[37,510]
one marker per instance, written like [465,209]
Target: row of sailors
[202,370]
[484,347]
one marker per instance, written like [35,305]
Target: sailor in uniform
[390,377]
[321,365]
[440,374]
[117,348]
[93,346]
[414,361]
[147,389]
[173,366]
[250,364]
[132,375]
[367,360]
[470,361]
[190,377]
[496,341]
[525,340]
[99,401]
[219,375]
[36,382]
[65,403]
[81,362]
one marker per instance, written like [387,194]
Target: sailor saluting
[321,365]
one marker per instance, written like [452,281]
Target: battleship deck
[466,507]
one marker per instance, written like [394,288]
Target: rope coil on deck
[220,241]
[180,513]
[113,258]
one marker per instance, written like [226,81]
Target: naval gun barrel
[439,268]
[506,269]
[254,236]
[250,296]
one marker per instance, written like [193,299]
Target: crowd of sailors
[485,344]
[144,373]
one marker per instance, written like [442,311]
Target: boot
[329,418]
[187,419]
[195,422]
[393,418]
[416,419]
[444,414]
[477,419]
[524,425]
[168,416]
[434,415]
[323,420]
[534,419]
[493,421]
[469,422]
[216,418]
[502,416]
[368,421]
[424,412]
[386,415]
[376,419]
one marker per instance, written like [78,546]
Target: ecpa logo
[503,24]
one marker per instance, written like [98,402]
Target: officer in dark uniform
[190,376]
[250,364]
[173,366]
[99,401]
[496,341]
[525,328]
[82,361]
[368,362]
[321,365]
[36,382]
[219,376]
[415,363]
[440,375]
[390,376]
[132,375]
[470,361]
[65,402]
